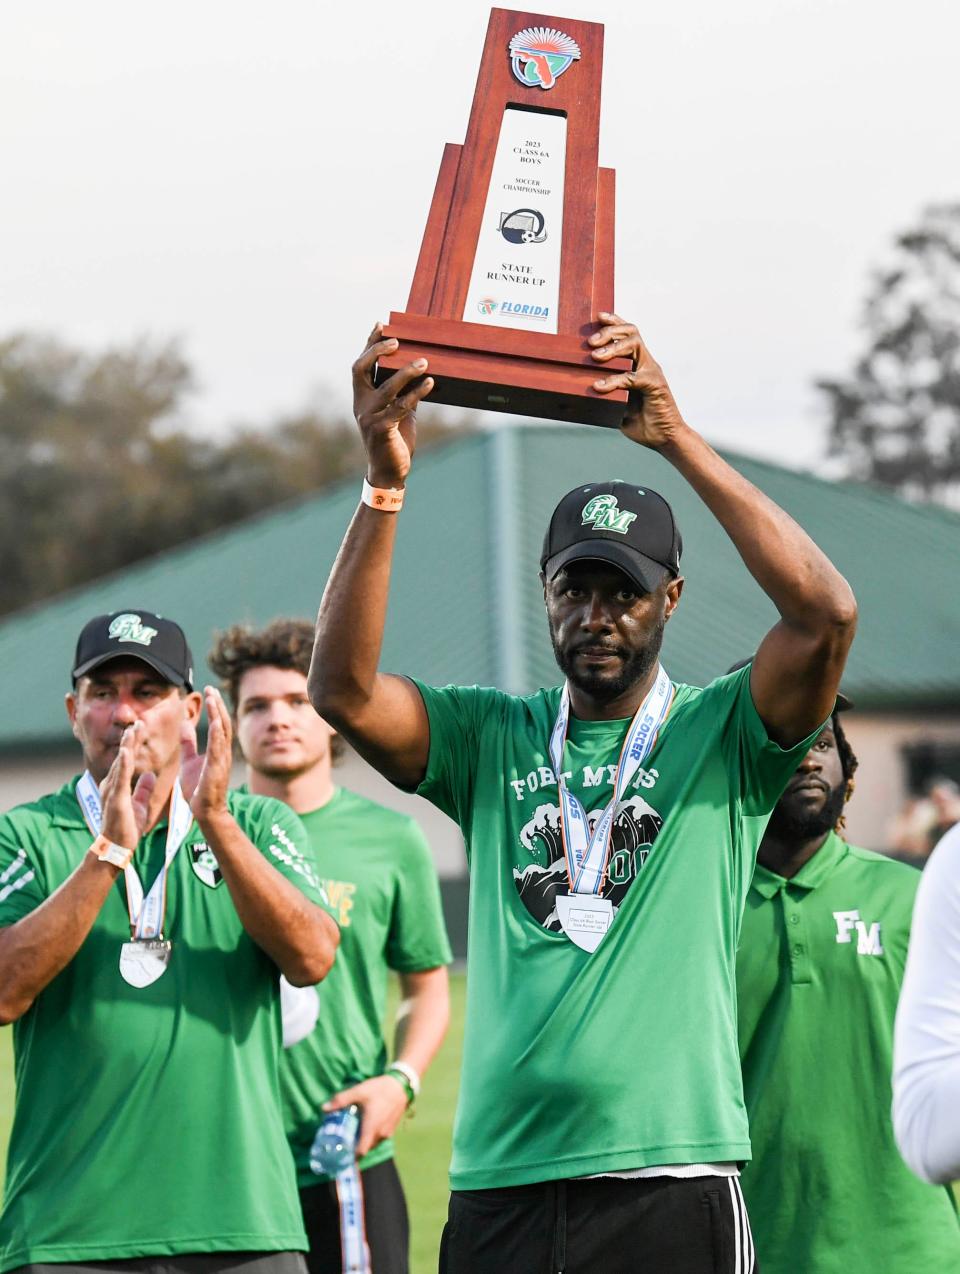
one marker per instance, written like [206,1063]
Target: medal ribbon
[587,855]
[146,913]
[353,1234]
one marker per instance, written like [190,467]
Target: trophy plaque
[517,256]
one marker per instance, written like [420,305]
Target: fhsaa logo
[606,515]
[540,55]
[487,306]
[131,628]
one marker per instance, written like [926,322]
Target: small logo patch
[606,515]
[868,933]
[131,628]
[540,55]
[205,865]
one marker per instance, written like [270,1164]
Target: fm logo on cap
[606,515]
[131,628]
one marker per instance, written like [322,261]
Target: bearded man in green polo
[146,914]
[821,960]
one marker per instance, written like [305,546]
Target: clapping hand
[205,777]
[125,804]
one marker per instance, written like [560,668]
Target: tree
[896,419]
[97,469]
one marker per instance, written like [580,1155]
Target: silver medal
[584,918]
[144,960]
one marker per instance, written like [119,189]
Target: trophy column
[517,256]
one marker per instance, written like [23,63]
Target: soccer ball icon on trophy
[526,225]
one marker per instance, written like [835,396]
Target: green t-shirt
[148,1121]
[379,876]
[574,1063]
[818,975]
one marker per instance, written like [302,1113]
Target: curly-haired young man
[379,875]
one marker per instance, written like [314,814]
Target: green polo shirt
[819,968]
[148,1120]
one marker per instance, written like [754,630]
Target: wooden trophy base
[505,369]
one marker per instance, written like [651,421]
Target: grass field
[423,1141]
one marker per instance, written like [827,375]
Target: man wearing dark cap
[821,960]
[611,825]
[147,913]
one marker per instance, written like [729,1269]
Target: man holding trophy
[601,1122]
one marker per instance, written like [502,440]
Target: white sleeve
[300,1007]
[926,1049]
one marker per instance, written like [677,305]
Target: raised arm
[797,669]
[382,716]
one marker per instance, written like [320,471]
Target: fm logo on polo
[205,865]
[606,515]
[868,937]
[540,55]
[131,628]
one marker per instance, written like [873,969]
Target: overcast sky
[254,179]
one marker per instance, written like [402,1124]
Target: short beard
[604,688]
[284,773]
[791,826]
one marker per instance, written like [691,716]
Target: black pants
[603,1225]
[205,1263]
[385,1221]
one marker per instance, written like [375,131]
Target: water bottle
[334,1146]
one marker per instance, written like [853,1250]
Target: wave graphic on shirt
[636,826]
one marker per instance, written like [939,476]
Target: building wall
[877,738]
[25,780]
[881,791]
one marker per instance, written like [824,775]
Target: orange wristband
[386,499]
[109,852]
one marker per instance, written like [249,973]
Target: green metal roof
[466,604]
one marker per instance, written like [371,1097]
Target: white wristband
[385,499]
[110,852]
[409,1074]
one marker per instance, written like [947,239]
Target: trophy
[517,256]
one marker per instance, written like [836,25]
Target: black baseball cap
[843,704]
[618,522]
[137,634]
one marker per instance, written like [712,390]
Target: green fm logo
[606,515]
[131,628]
